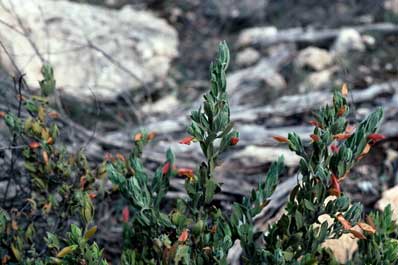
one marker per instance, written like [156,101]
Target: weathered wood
[252,37]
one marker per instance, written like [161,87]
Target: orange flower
[151,136]
[186,140]
[120,157]
[367,228]
[138,137]
[364,152]
[315,138]
[108,157]
[92,195]
[334,148]
[213,229]
[5,259]
[2,114]
[184,236]
[53,115]
[166,168]
[280,139]
[344,90]
[341,111]
[315,123]
[341,136]
[125,214]
[356,231]
[186,172]
[375,137]
[335,186]
[234,140]
[50,140]
[346,225]
[83,182]
[350,129]
[34,145]
[44,154]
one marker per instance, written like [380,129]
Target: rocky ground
[144,64]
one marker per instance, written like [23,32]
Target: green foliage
[380,247]
[61,190]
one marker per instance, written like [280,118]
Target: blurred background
[124,65]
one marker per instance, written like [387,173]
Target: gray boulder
[90,48]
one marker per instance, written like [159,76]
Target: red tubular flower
[108,157]
[335,186]
[367,228]
[120,157]
[334,148]
[34,145]
[234,140]
[184,236]
[151,136]
[341,111]
[186,140]
[350,129]
[125,214]
[83,182]
[165,168]
[356,231]
[315,138]
[341,136]
[315,123]
[138,137]
[364,152]
[186,172]
[53,115]
[346,224]
[280,139]
[375,137]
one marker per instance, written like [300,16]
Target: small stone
[250,36]
[248,56]
[316,81]
[260,155]
[348,40]
[369,40]
[314,58]
[12,189]
[166,104]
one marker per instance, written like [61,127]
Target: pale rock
[12,189]
[255,84]
[166,104]
[343,248]
[392,6]
[348,40]
[389,196]
[260,155]
[64,33]
[247,57]
[314,58]
[316,81]
[251,35]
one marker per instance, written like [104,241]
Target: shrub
[61,187]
